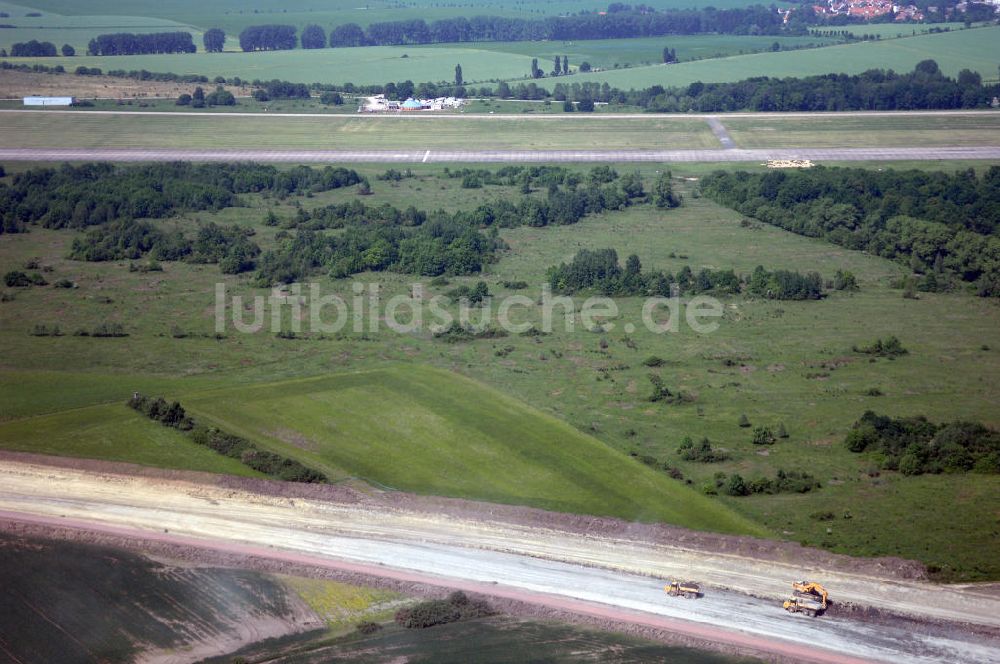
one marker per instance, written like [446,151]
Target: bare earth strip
[516,156]
[616,576]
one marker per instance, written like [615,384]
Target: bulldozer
[686,589]
[808,597]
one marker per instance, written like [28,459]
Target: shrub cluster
[702,452]
[913,445]
[458,606]
[171,415]
[890,347]
[791,481]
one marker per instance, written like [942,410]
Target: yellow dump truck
[683,589]
[808,597]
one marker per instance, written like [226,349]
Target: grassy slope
[115,433]
[946,375]
[429,431]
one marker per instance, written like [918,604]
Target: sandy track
[495,156]
[610,576]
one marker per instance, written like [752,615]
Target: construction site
[602,572]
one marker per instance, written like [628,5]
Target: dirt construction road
[613,577]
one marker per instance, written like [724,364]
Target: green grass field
[861,131]
[40,129]
[776,350]
[339,132]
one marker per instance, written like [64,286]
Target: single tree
[584,66]
[557,66]
[535,71]
[68,50]
[215,40]
[313,36]
[744,421]
[458,75]
[565,68]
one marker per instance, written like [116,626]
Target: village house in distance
[379,104]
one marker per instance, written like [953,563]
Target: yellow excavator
[808,597]
[683,589]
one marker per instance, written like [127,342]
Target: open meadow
[77,129]
[776,362]
[345,132]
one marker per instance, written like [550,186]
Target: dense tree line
[33,49]
[913,445]
[274,465]
[600,270]
[126,43]
[874,90]
[944,226]
[275,89]
[627,23]
[92,194]
[439,246]
[268,38]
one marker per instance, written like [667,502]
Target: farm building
[48,101]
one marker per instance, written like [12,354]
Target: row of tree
[126,43]
[634,22]
[937,223]
[33,49]
[268,463]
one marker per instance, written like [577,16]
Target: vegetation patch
[914,445]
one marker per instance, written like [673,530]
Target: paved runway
[514,156]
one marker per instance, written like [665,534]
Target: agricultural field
[613,53]
[76,31]
[494,640]
[72,601]
[234,15]
[977,49]
[706,58]
[777,363]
